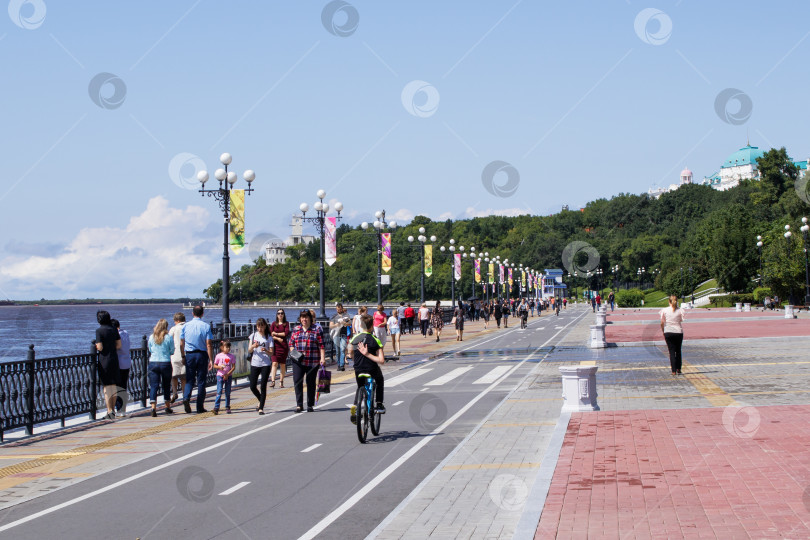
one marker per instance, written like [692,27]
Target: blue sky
[583,100]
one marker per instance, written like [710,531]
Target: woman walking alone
[161,348]
[672,318]
[436,319]
[260,349]
[308,340]
[280,331]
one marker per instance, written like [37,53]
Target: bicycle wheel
[362,416]
[375,422]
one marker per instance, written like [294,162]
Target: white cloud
[402,216]
[160,253]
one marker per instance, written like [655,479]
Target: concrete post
[738,306]
[601,318]
[746,307]
[789,312]
[597,337]
[579,388]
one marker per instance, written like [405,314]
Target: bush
[629,298]
[761,292]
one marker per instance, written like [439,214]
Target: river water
[64,330]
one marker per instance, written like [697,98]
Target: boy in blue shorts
[367,356]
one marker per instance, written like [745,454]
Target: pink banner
[330,244]
[510,277]
[386,252]
[457,266]
[501,275]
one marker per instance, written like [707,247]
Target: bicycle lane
[285,469]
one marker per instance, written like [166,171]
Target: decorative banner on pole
[457,266]
[237,222]
[428,260]
[501,274]
[330,245]
[477,271]
[523,279]
[511,281]
[491,273]
[386,251]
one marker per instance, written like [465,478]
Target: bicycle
[367,415]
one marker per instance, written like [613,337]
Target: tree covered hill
[713,232]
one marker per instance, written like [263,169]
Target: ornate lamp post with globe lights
[788,236]
[452,250]
[759,247]
[319,220]
[804,228]
[471,255]
[422,239]
[222,195]
[379,226]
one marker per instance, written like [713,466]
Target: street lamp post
[804,228]
[452,250]
[615,276]
[342,293]
[422,239]
[277,298]
[640,273]
[471,255]
[222,195]
[759,247]
[788,235]
[691,286]
[379,226]
[319,220]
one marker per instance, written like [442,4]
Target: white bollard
[597,337]
[579,388]
[789,312]
[746,307]
[601,318]
[738,306]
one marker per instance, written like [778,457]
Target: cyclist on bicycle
[367,356]
[523,311]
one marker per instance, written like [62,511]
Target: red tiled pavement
[743,328]
[707,313]
[682,474]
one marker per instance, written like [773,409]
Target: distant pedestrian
[395,330]
[260,348]
[225,364]
[672,318]
[593,303]
[531,307]
[178,364]
[309,342]
[436,319]
[338,330]
[198,351]
[108,341]
[611,300]
[280,331]
[506,311]
[124,364]
[161,347]
[565,303]
[400,313]
[497,311]
[357,325]
[380,328]
[424,319]
[598,301]
[485,314]
[409,316]
[458,316]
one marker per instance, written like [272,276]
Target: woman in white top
[394,330]
[261,349]
[357,327]
[672,318]
[424,319]
[178,363]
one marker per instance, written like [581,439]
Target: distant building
[740,165]
[275,251]
[553,285]
[686,178]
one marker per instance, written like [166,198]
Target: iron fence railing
[42,390]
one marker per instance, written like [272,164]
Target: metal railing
[37,391]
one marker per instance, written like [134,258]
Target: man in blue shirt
[196,345]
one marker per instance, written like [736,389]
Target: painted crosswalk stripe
[447,377]
[310,448]
[240,485]
[398,403]
[494,374]
[405,377]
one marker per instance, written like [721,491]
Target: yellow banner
[491,273]
[428,260]
[237,231]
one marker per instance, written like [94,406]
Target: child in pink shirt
[224,363]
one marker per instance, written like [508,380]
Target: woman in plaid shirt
[308,340]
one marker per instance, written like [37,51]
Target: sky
[448,109]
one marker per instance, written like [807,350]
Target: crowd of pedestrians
[181,357]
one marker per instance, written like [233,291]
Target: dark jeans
[498,321]
[410,325]
[160,374]
[254,378]
[196,372]
[379,383]
[423,324]
[123,394]
[311,374]
[674,341]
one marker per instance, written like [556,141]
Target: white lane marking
[175,461]
[493,375]
[397,403]
[407,376]
[310,448]
[423,389]
[377,480]
[240,485]
[447,377]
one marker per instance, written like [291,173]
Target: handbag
[453,321]
[324,381]
[295,356]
